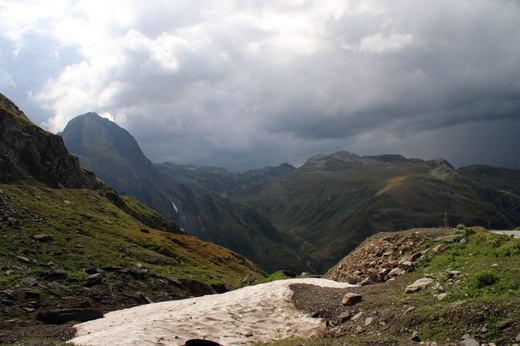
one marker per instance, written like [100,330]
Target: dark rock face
[29,153]
[66,315]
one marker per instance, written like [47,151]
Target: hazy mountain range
[299,218]
[110,151]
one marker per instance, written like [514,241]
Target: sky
[244,84]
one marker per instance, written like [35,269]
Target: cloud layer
[243,84]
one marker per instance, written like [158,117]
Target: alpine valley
[88,225]
[304,218]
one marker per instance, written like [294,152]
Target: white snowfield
[245,316]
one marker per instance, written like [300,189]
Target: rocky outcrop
[28,153]
[380,258]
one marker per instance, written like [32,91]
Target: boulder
[406,266]
[419,285]
[351,299]
[344,317]
[439,248]
[94,279]
[61,316]
[396,272]
[29,281]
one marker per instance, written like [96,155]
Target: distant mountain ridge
[330,204]
[117,159]
[222,182]
[334,201]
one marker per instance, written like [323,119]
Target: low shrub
[485,279]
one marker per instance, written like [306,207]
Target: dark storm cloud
[244,84]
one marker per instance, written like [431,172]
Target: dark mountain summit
[110,151]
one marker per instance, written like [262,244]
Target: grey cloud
[242,92]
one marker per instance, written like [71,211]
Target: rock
[396,272]
[349,279]
[66,315]
[368,321]
[351,299]
[365,281]
[415,256]
[410,309]
[200,342]
[442,296]
[418,285]
[23,259]
[57,273]
[391,264]
[505,324]
[406,265]
[467,340]
[289,273]
[7,302]
[92,270]
[457,303]
[29,281]
[32,293]
[344,317]
[9,293]
[94,279]
[174,281]
[221,288]
[145,299]
[135,272]
[356,316]
[453,274]
[415,337]
[372,275]
[42,237]
[57,286]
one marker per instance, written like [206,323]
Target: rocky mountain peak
[90,135]
[29,153]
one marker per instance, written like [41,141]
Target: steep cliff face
[29,153]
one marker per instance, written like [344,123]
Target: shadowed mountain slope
[117,159]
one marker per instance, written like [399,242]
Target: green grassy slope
[333,202]
[86,230]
